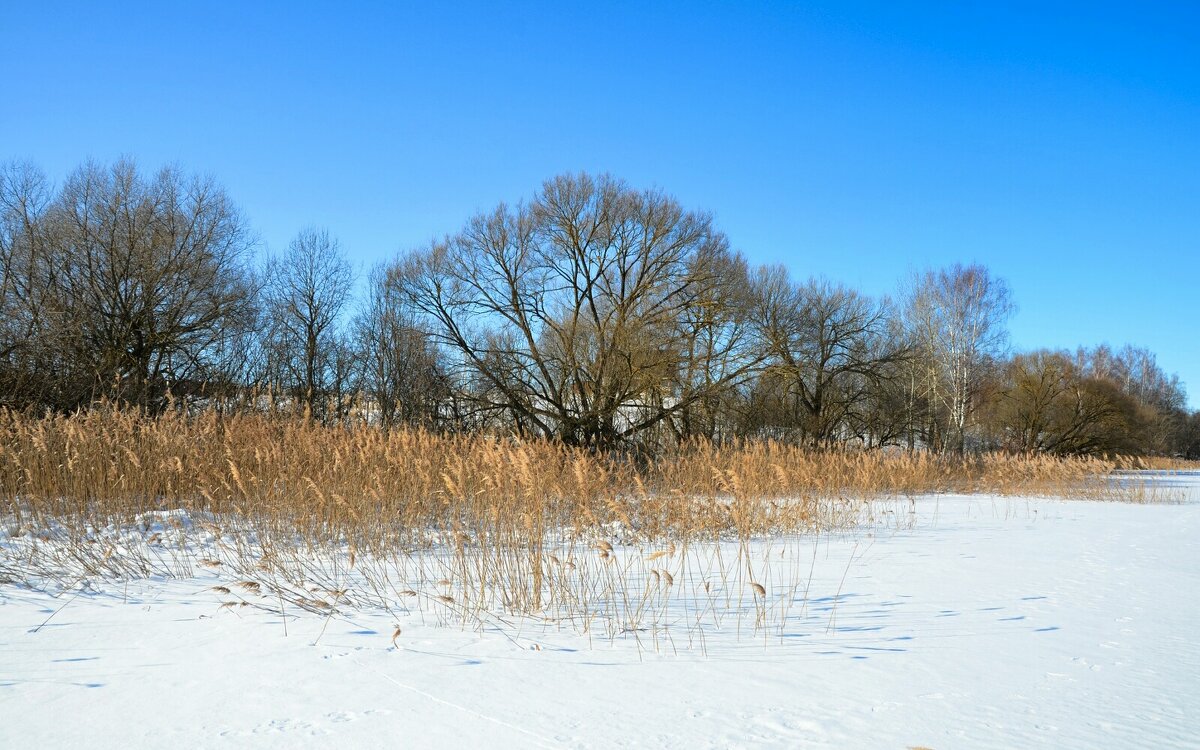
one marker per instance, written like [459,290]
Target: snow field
[979,622]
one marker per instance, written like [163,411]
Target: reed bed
[1155,463]
[469,529]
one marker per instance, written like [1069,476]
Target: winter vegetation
[477,526]
[583,421]
[593,313]
[356,584]
[536,416]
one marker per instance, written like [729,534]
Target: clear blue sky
[1059,144]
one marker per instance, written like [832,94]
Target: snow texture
[991,623]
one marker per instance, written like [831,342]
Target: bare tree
[400,372]
[886,414]
[829,345]
[25,199]
[583,313]
[131,287]
[308,290]
[1047,404]
[1190,437]
[957,317]
[1161,399]
[719,353]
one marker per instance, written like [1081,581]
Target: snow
[986,623]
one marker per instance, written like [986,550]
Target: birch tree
[957,317]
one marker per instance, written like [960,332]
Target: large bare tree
[594,312]
[125,287]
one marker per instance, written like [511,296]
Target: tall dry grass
[471,527]
[379,488]
[1155,463]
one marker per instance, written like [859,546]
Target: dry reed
[466,527]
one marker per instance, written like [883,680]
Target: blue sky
[1059,144]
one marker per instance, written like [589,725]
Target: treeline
[594,313]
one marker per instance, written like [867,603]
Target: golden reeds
[377,487]
[470,524]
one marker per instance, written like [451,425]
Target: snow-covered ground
[991,623]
